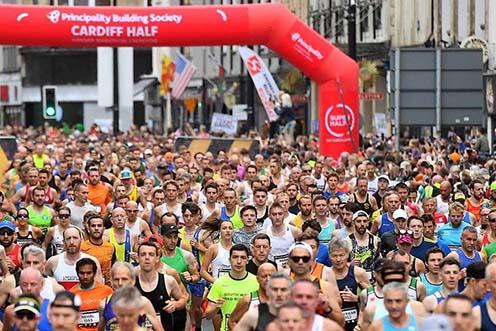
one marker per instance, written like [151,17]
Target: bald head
[437,179]
[265,270]
[445,189]
[31,281]
[131,205]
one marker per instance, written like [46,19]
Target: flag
[184,72]
[221,70]
[167,77]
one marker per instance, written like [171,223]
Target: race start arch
[272,25]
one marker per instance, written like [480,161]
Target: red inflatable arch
[272,25]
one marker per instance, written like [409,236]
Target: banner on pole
[262,78]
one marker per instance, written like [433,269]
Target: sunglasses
[297,259]
[132,210]
[492,220]
[409,232]
[22,216]
[25,314]
[64,215]
[6,232]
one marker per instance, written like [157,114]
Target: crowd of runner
[102,232]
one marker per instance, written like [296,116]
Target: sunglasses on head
[25,314]
[297,259]
[409,232]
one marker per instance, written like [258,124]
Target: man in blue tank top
[395,301]
[484,314]
[467,253]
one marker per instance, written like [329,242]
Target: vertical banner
[262,78]
[338,120]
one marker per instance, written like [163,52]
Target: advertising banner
[262,78]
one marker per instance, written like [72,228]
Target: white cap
[400,213]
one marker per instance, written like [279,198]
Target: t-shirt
[420,251]
[77,213]
[231,290]
[99,195]
[241,236]
[450,235]
[252,268]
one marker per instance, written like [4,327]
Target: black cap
[168,228]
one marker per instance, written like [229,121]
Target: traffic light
[49,102]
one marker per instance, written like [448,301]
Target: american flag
[184,72]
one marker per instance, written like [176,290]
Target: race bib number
[350,314]
[282,260]
[89,318]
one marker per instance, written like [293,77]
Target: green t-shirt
[231,290]
[490,250]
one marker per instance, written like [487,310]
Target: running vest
[486,323]
[220,265]
[326,232]
[58,240]
[365,206]
[27,239]
[158,297]
[260,220]
[254,299]
[14,255]
[90,301]
[41,220]
[235,218]
[264,317]
[365,254]
[279,252]
[439,296]
[386,225]
[66,274]
[412,289]
[429,287]
[464,263]
[412,324]
[177,262]
[475,210]
[121,250]
[136,228]
[350,309]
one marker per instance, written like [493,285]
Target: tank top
[158,298]
[221,264]
[177,262]
[473,209]
[235,218]
[439,296]
[412,324]
[386,225]
[254,300]
[41,220]
[318,323]
[326,232]
[134,195]
[381,312]
[486,323]
[260,220]
[58,239]
[366,254]
[412,289]
[14,255]
[27,239]
[136,228]
[47,289]
[66,274]
[90,301]
[464,262]
[365,206]
[350,309]
[264,317]
[279,252]
[429,287]
[122,250]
